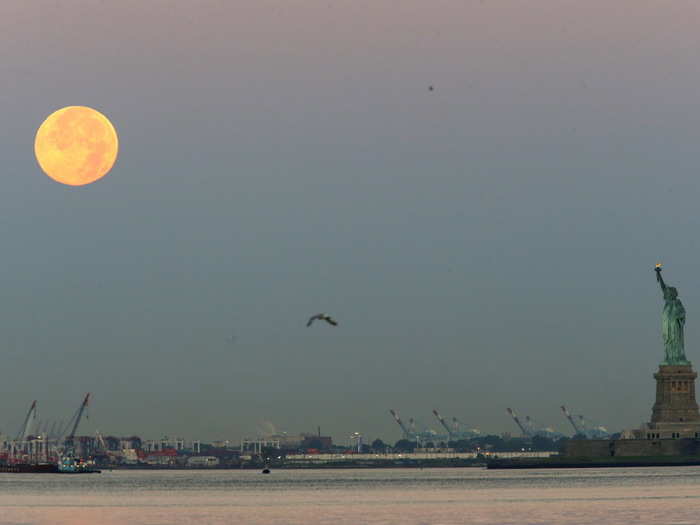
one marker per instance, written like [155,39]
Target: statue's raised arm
[660,279]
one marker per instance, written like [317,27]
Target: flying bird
[322,317]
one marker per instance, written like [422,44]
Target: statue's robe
[673,323]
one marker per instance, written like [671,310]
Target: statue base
[675,413]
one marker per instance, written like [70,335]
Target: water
[640,496]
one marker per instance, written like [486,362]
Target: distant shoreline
[315,466]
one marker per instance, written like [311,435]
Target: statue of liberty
[672,324]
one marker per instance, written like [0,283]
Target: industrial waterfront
[39,443]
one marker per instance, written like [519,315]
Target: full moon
[76,145]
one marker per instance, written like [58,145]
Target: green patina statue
[672,324]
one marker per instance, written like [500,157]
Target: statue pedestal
[675,413]
[674,429]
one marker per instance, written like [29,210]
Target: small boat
[265,470]
[70,465]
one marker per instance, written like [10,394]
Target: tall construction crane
[406,432]
[577,431]
[443,423]
[526,431]
[28,424]
[75,420]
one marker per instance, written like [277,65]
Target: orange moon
[76,145]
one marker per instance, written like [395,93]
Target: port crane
[412,433]
[586,428]
[28,424]
[525,430]
[42,439]
[577,431]
[442,421]
[458,430]
[424,435]
[406,432]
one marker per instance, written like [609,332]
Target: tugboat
[69,465]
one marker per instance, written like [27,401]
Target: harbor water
[668,496]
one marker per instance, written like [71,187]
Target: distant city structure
[285,442]
[37,444]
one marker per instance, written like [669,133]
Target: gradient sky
[483,245]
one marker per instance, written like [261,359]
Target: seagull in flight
[322,317]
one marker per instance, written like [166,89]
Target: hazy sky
[483,245]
